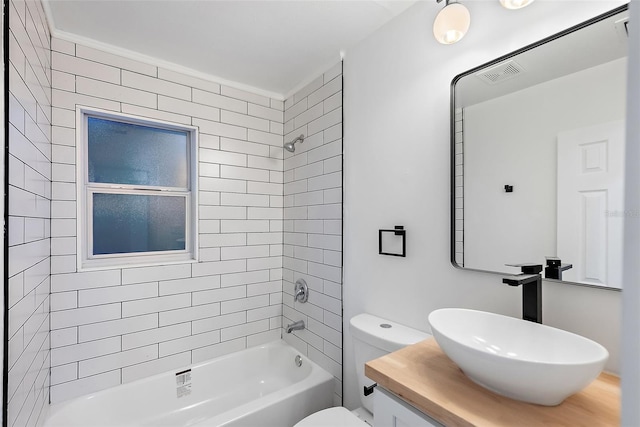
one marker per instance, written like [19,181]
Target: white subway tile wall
[30,173]
[258,207]
[459,185]
[114,326]
[313,221]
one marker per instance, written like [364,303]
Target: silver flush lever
[301,291]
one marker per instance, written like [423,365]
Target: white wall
[518,146]
[396,171]
[631,277]
[114,326]
[29,212]
[313,221]
[2,170]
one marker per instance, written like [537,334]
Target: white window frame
[85,190]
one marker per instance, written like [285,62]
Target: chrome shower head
[291,146]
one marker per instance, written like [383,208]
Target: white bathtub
[260,386]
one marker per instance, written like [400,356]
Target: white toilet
[373,337]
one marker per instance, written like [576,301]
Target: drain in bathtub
[298,361]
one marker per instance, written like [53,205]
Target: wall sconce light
[515,4]
[452,22]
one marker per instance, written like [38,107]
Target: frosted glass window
[139,192]
[128,223]
[124,153]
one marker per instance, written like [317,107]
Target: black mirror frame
[452,130]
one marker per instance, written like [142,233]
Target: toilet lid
[332,417]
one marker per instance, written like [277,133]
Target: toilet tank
[374,337]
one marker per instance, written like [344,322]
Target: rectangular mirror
[538,154]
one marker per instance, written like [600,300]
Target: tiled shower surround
[313,221]
[114,326]
[72,333]
[29,213]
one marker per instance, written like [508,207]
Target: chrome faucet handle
[301,291]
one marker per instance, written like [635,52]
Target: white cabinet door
[389,411]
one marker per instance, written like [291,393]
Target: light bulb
[515,4]
[451,23]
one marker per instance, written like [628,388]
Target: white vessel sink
[516,358]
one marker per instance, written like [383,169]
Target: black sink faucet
[531,282]
[554,268]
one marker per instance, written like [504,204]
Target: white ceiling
[276,46]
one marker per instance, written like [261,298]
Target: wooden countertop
[425,377]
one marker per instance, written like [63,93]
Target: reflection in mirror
[538,153]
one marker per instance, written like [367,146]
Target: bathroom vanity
[421,386]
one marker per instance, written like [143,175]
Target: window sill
[98,265]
